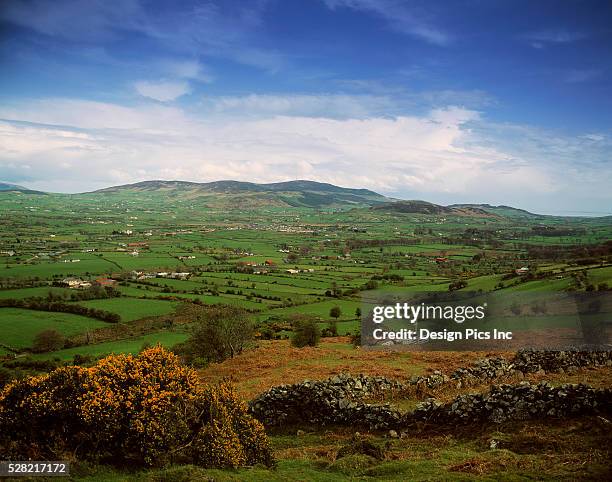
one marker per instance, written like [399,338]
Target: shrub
[5,376]
[48,340]
[79,359]
[147,410]
[457,285]
[306,331]
[332,327]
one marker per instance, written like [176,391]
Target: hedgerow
[148,410]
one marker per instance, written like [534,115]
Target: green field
[277,261]
[130,345]
[19,326]
[132,309]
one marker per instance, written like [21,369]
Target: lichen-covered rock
[337,400]
[515,402]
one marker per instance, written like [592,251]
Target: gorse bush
[147,410]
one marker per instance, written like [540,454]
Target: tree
[48,340]
[332,328]
[306,331]
[334,289]
[335,312]
[220,332]
[358,313]
[371,285]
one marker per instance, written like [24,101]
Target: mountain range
[299,193]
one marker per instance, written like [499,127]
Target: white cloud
[163,91]
[310,105]
[450,152]
[594,137]
[221,29]
[186,69]
[399,16]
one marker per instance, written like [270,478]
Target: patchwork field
[120,271]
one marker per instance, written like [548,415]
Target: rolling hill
[230,194]
[246,194]
[424,207]
[8,187]
[507,211]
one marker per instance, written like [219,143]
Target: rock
[334,401]
[300,433]
[393,434]
[338,400]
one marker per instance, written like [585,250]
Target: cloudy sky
[506,102]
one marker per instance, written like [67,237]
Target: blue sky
[461,101]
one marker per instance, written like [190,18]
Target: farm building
[74,283]
[105,282]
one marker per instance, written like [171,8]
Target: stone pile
[339,400]
[530,361]
[515,402]
[525,361]
[486,369]
[435,380]
[335,401]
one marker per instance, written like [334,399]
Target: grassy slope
[19,327]
[132,309]
[129,345]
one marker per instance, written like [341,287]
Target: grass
[40,291]
[277,363]
[19,326]
[320,309]
[536,450]
[220,237]
[129,345]
[132,308]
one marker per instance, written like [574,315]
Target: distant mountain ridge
[229,194]
[502,210]
[238,186]
[299,193]
[8,187]
[424,207]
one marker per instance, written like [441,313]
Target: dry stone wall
[334,401]
[339,400]
[515,402]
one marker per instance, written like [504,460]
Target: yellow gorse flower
[148,409]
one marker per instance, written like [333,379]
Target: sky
[484,101]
